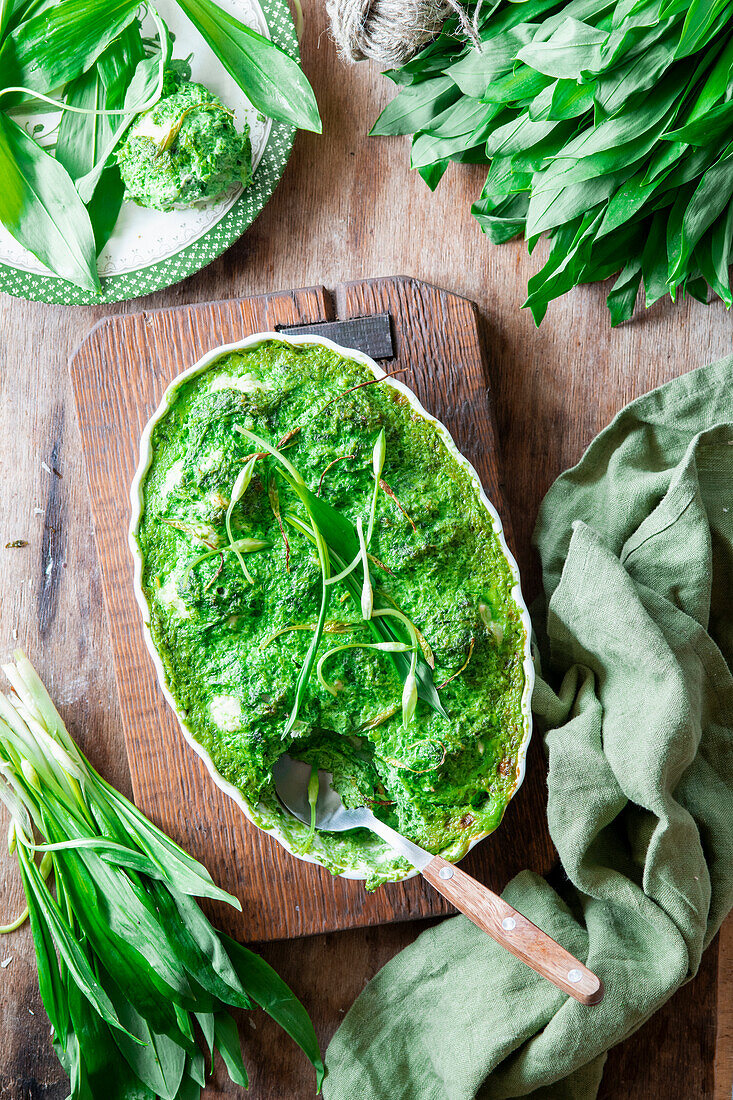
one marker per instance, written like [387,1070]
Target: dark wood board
[119,373]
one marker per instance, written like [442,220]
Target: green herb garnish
[238,547]
[127,962]
[382,647]
[337,542]
[295,481]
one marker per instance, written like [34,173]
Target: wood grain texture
[119,374]
[348,208]
[514,931]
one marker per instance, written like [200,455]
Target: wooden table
[348,207]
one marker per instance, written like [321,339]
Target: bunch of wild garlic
[135,980]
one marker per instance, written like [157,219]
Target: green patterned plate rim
[194,256]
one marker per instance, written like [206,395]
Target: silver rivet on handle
[446,872]
[509,924]
[574,975]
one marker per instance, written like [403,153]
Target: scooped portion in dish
[323,579]
[184,150]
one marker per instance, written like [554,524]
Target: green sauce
[439,781]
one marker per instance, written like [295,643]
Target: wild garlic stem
[378,457]
[367,594]
[238,490]
[313,789]
[272,451]
[99,112]
[45,869]
[382,647]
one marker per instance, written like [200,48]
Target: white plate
[149,249]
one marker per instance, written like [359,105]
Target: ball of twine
[391,31]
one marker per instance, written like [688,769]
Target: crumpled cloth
[636,705]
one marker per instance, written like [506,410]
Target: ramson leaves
[127,961]
[608,132]
[41,208]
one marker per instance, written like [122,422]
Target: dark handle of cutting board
[514,932]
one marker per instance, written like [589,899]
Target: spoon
[487,910]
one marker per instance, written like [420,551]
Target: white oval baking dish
[136,495]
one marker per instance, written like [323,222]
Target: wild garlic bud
[367,600]
[379,454]
[250,545]
[243,479]
[30,774]
[409,699]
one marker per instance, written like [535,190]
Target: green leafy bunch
[135,980]
[91,60]
[607,125]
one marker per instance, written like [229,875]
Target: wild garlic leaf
[715,123]
[105,205]
[184,872]
[6,12]
[269,991]
[129,921]
[711,197]
[42,210]
[701,17]
[474,73]
[226,1041]
[200,947]
[272,81]
[50,984]
[61,42]
[69,950]
[141,88]
[416,107]
[572,51]
[156,1059]
[81,138]
[654,265]
[521,83]
[622,296]
[567,100]
[716,269]
[433,173]
[96,1065]
[119,61]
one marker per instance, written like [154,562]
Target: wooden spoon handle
[514,932]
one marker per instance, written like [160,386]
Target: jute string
[391,31]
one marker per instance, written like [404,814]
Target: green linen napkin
[636,639]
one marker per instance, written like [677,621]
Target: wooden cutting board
[119,373]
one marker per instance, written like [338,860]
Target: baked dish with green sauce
[321,574]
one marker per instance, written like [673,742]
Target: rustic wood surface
[347,208]
[119,374]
